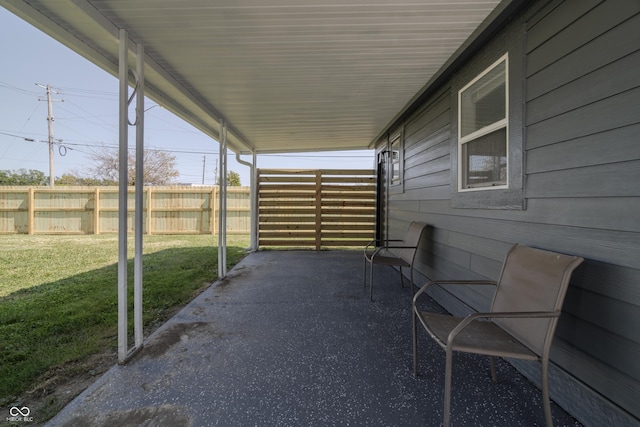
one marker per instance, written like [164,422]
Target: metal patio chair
[521,323]
[399,253]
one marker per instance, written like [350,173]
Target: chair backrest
[533,280]
[412,238]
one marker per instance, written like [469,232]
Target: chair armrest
[369,244]
[504,314]
[399,247]
[372,245]
[395,247]
[450,282]
[386,245]
[380,248]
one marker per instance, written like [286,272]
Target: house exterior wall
[574,133]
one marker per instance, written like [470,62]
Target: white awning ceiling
[286,75]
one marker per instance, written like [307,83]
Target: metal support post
[222,212]
[123,75]
[254,203]
[139,201]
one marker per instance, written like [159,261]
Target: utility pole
[204,160]
[50,126]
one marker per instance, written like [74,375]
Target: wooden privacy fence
[94,210]
[316,208]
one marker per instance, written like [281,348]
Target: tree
[159,166]
[74,179]
[233,179]
[23,177]
[68,179]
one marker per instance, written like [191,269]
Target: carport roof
[285,75]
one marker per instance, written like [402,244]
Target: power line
[12,135]
[99,144]
[105,125]
[112,94]
[17,89]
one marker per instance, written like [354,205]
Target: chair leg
[371,283]
[364,273]
[415,343]
[545,392]
[401,278]
[411,284]
[494,377]
[447,388]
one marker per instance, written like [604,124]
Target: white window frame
[395,160]
[501,124]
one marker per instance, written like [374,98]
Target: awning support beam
[222,216]
[122,195]
[123,188]
[139,198]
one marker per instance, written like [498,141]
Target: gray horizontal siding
[609,180]
[576,32]
[587,89]
[610,146]
[617,350]
[617,213]
[581,172]
[609,113]
[618,42]
[556,15]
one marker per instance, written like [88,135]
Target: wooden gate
[316,208]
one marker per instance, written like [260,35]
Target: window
[483,129]
[395,159]
[396,177]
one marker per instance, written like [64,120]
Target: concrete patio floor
[289,338]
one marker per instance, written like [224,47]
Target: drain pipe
[222,203]
[254,201]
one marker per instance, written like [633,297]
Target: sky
[85,111]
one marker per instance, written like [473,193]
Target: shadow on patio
[290,338]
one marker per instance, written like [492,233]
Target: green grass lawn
[58,298]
